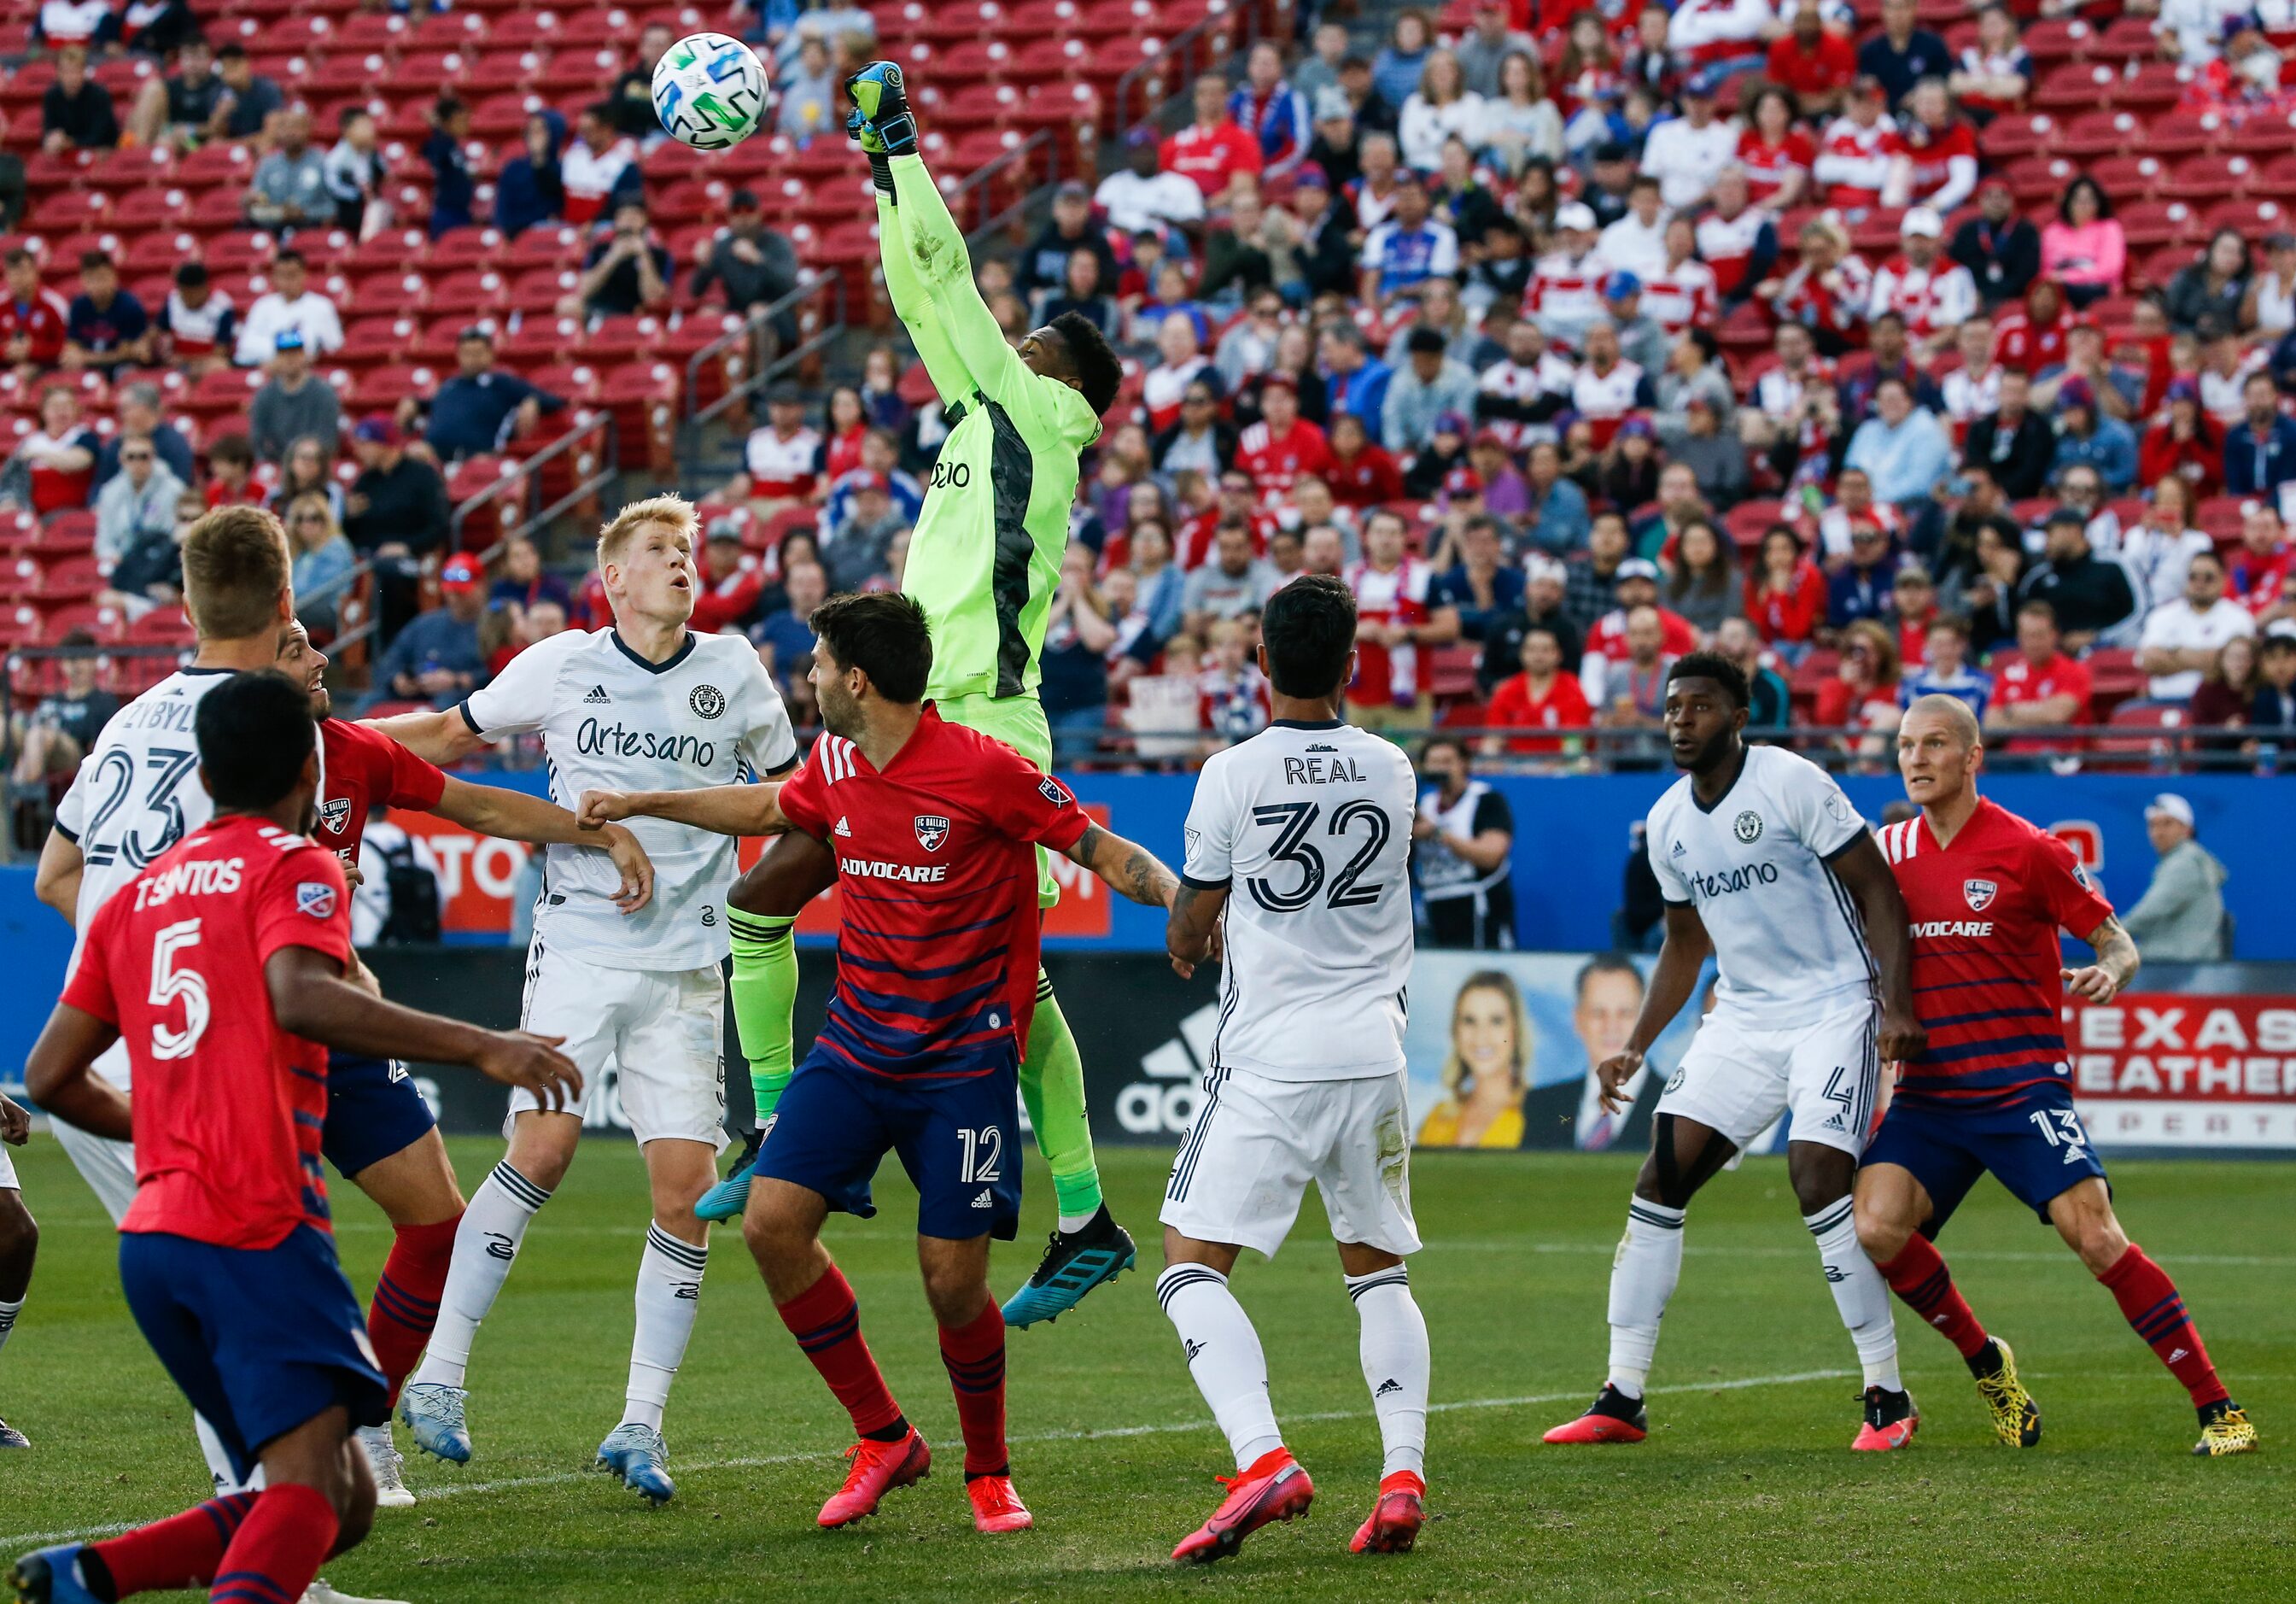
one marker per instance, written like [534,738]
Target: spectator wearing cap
[1641,340]
[76,111]
[288,190]
[528,191]
[293,403]
[397,506]
[1141,196]
[2001,249]
[751,264]
[1071,228]
[106,327]
[2087,594]
[1931,294]
[1212,149]
[1271,111]
[1566,285]
[2260,453]
[289,303]
[1408,248]
[2185,443]
[625,271]
[2083,247]
[1902,447]
[2088,437]
[811,101]
[1430,385]
[248,98]
[1634,586]
[481,408]
[2180,919]
[1811,62]
[1903,53]
[437,657]
[599,173]
[1686,153]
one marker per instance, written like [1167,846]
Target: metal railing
[832,326]
[527,474]
[1186,55]
[746,335]
[977,183]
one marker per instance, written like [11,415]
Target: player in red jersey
[1987,893]
[223,967]
[934,826]
[380,1134]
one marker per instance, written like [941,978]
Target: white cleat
[319,1593]
[384,1459]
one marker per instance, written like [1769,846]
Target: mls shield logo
[932,830]
[315,897]
[1980,894]
[335,812]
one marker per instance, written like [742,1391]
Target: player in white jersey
[1298,844]
[20,1241]
[1763,863]
[647,706]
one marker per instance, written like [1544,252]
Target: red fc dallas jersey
[1986,911]
[1388,675]
[1934,301]
[1943,159]
[1210,156]
[1276,465]
[361,767]
[1853,162]
[2018,341]
[40,322]
[1769,166]
[1679,296]
[227,1105]
[937,874]
[1727,244]
[1678,636]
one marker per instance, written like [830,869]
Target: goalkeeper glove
[880,94]
[880,165]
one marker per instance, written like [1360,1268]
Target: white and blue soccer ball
[710,91]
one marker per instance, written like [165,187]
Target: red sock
[290,1529]
[974,1355]
[1918,1275]
[182,1550]
[827,1326]
[2150,1302]
[406,1304]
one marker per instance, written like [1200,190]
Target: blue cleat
[51,1576]
[637,1454]
[727,1199]
[1073,1264]
[10,1438]
[434,1413]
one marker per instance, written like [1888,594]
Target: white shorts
[663,1030]
[108,1167]
[1737,1078]
[1256,1143]
[7,1172]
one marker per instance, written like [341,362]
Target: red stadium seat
[2019,134]
[2072,87]
[2099,133]
[2148,223]
[2210,178]
[2127,178]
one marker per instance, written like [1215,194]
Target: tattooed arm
[1128,868]
[1192,933]
[2115,966]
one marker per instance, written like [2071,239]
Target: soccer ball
[710,91]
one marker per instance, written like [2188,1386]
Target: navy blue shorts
[373,1110]
[959,1140]
[2034,1144]
[260,1339]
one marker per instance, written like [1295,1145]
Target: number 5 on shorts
[984,1152]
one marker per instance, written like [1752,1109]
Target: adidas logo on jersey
[844,829]
[597,697]
[985,1200]
[1677,850]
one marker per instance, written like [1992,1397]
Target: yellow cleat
[2226,1428]
[2016,1417]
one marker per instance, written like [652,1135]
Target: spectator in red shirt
[60,455]
[1545,696]
[1282,447]
[31,319]
[727,595]
[2186,443]
[1812,62]
[1212,149]
[2042,687]
[1785,592]
[2033,339]
[2259,568]
[1775,152]
[1363,474]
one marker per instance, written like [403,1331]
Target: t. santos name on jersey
[595,740]
[1315,769]
[199,877]
[914,874]
[1743,878]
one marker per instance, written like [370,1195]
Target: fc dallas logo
[1980,894]
[932,830]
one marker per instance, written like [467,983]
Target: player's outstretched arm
[1130,869]
[2115,966]
[914,306]
[514,816]
[936,248]
[60,1078]
[310,999]
[722,809]
[436,737]
[1192,933]
[1681,956]
[1882,908]
[56,882]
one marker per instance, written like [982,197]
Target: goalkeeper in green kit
[983,561]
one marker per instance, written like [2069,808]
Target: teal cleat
[434,1413]
[1072,1265]
[637,1454]
[727,1199]
[51,1576]
[881,93]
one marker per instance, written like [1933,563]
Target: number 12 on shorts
[2061,1128]
[984,1154]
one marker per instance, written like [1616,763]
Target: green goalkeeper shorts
[1017,721]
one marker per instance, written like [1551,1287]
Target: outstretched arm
[936,249]
[914,306]
[1127,867]
[436,737]
[722,809]
[514,816]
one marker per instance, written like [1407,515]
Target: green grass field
[1746,1488]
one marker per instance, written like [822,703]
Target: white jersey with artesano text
[1308,826]
[610,721]
[1758,865]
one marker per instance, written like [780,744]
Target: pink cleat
[878,1468]
[1890,1421]
[1395,1518]
[1272,1487]
[996,1507]
[1613,1418]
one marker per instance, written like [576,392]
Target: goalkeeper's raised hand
[881,163]
[880,94]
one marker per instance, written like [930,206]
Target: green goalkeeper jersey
[985,555]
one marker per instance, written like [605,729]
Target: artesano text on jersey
[1757,865]
[610,721]
[1308,826]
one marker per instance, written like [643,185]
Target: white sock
[669,1295]
[1395,1365]
[220,1474]
[8,1313]
[1075,1222]
[1643,1274]
[485,1244]
[1224,1356]
[1859,1292]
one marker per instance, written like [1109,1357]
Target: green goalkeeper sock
[765,1002]
[1051,1087]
